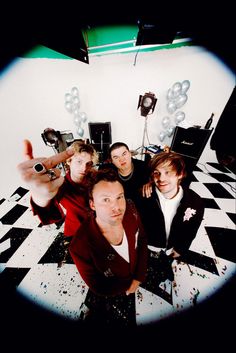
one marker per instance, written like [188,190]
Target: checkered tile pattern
[33,260]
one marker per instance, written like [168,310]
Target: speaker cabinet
[101,139]
[190,144]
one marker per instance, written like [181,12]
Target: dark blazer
[183,228]
[72,196]
[101,267]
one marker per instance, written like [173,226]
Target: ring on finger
[51,174]
[39,168]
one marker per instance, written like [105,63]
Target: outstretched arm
[42,188]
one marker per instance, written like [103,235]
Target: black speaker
[100,136]
[190,144]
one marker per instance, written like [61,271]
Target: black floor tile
[12,216]
[58,251]
[2,200]
[210,203]
[199,260]
[11,277]
[20,191]
[218,191]
[222,177]
[223,241]
[17,236]
[218,166]
[232,216]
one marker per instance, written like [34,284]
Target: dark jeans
[110,311]
[159,269]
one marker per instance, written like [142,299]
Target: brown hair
[94,176]
[172,159]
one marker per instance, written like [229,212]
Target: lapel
[104,251]
[100,244]
[131,229]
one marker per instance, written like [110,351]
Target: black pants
[110,311]
[159,269]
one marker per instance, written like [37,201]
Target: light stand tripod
[102,152]
[145,135]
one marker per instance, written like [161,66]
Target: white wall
[32,95]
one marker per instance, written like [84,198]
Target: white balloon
[162,135]
[181,100]
[80,131]
[76,100]
[179,116]
[165,122]
[76,112]
[68,97]
[74,91]
[77,120]
[170,94]
[170,131]
[68,107]
[171,107]
[83,116]
[185,86]
[176,89]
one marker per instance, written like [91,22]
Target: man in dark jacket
[110,250]
[172,214]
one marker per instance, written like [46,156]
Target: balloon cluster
[72,105]
[176,98]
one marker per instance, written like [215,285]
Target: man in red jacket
[110,250]
[49,190]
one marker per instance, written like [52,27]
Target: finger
[27,150]
[49,162]
[53,161]
[143,191]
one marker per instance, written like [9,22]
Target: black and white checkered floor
[31,254]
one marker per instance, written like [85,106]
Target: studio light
[59,141]
[147,103]
[50,137]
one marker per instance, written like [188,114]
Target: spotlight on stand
[147,103]
[50,137]
[59,141]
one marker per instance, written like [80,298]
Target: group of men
[118,216]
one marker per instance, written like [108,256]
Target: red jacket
[72,196]
[101,267]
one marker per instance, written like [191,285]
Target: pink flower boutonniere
[189,213]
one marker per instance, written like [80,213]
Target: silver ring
[39,168]
[51,174]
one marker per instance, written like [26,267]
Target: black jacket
[183,228]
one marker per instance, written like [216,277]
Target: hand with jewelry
[41,175]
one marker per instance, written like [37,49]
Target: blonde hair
[81,146]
